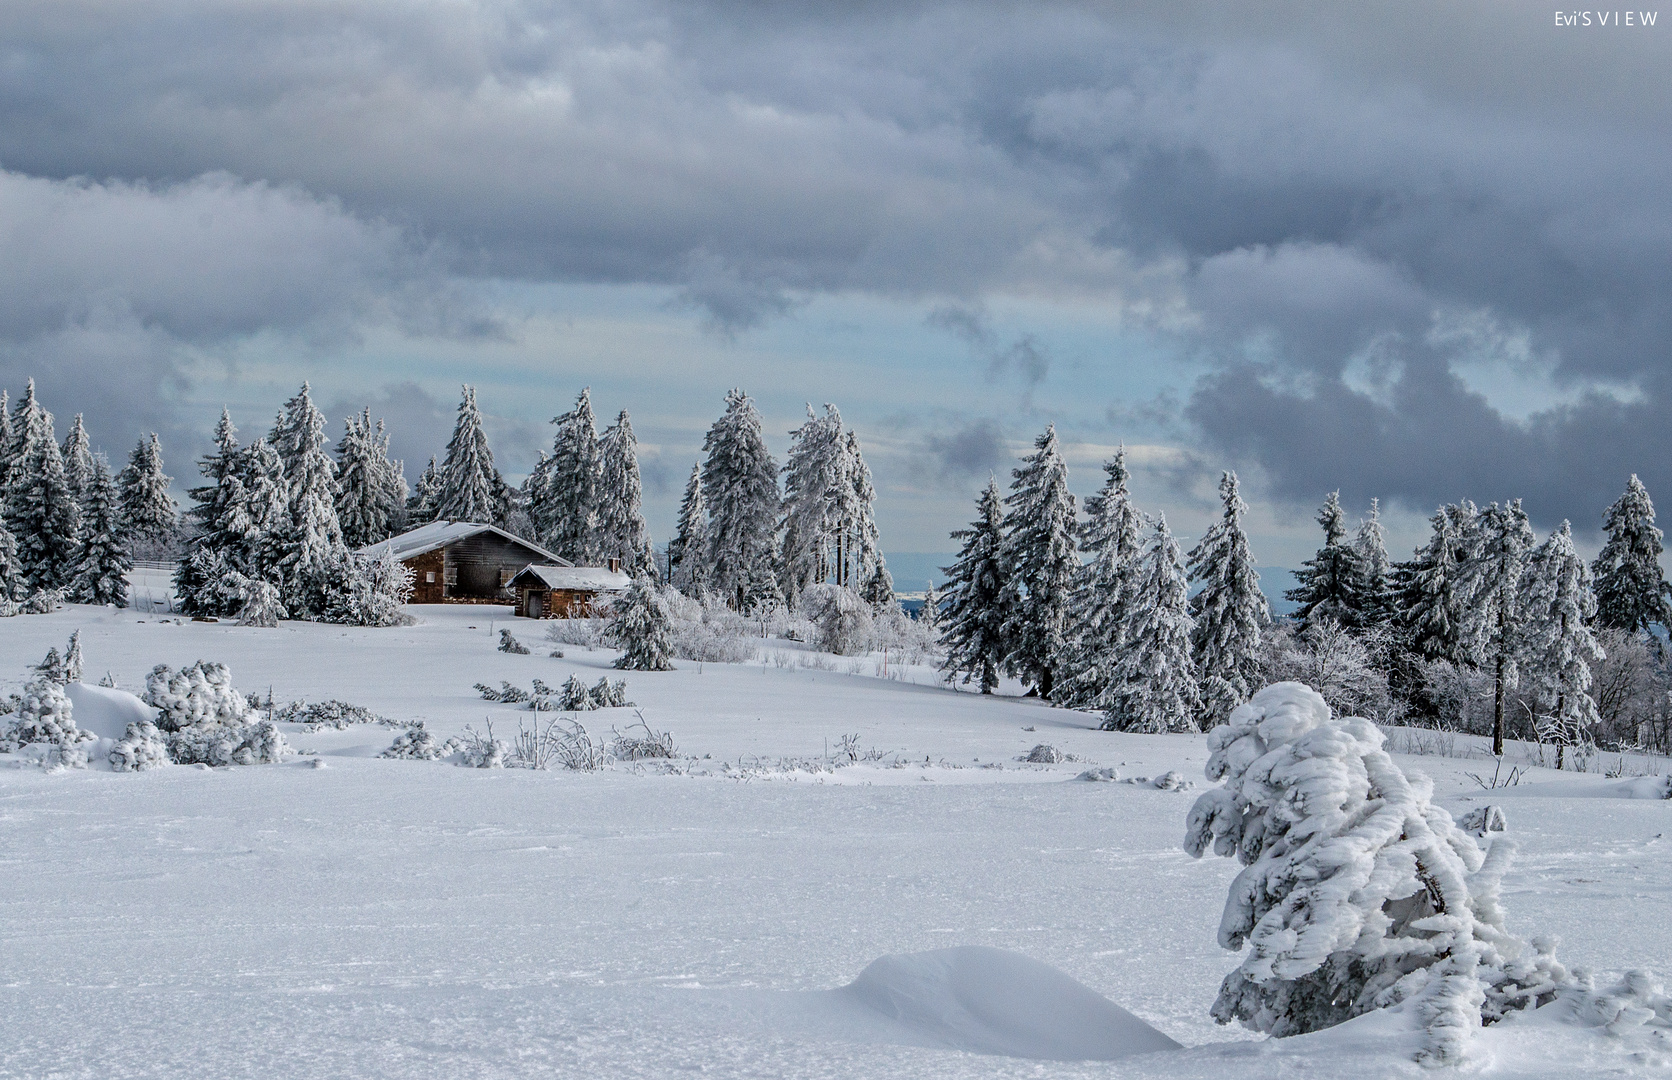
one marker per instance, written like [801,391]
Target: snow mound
[105,711]
[990,1001]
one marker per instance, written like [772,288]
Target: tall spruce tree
[6,449]
[817,492]
[1372,583]
[973,619]
[420,507]
[1040,529]
[1229,610]
[740,484]
[13,585]
[1630,588]
[1111,536]
[311,541]
[1430,606]
[148,514]
[860,552]
[78,460]
[102,561]
[371,495]
[1557,647]
[469,482]
[216,522]
[264,520]
[688,550]
[43,515]
[391,474]
[622,533]
[565,509]
[1155,688]
[1326,582]
[1489,585]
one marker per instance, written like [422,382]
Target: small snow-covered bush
[842,622]
[576,696]
[142,747]
[560,744]
[227,744]
[1342,667]
[631,746]
[588,633]
[475,750]
[643,628]
[334,714]
[368,590]
[1357,893]
[259,601]
[44,601]
[415,743]
[44,717]
[510,695]
[509,644]
[197,695]
[1045,754]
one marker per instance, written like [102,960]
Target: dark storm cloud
[1325,187]
[967,450]
[1023,357]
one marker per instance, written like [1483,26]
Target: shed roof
[439,534]
[577,578]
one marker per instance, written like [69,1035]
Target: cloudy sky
[1411,251]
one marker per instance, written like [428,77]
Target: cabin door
[534,605]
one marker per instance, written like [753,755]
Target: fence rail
[155,564]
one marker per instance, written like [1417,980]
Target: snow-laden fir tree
[1111,535]
[1558,650]
[1154,686]
[103,558]
[1358,893]
[1372,582]
[974,616]
[878,590]
[368,590]
[740,484]
[78,460]
[420,507]
[43,515]
[13,585]
[218,523]
[688,550]
[5,441]
[263,519]
[1327,581]
[148,514]
[565,509]
[1489,585]
[643,628]
[860,548]
[816,493]
[311,543]
[1229,610]
[1630,587]
[930,614]
[1430,606]
[622,532]
[1039,540]
[371,495]
[468,476]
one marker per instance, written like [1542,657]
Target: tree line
[1106,614]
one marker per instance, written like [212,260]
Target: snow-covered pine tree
[360,507]
[622,532]
[78,460]
[1039,535]
[5,441]
[263,521]
[467,472]
[1229,610]
[420,506]
[1357,892]
[740,484]
[1489,585]
[878,590]
[1097,609]
[565,509]
[862,547]
[216,523]
[1154,686]
[1630,587]
[643,627]
[1557,646]
[148,514]
[1325,586]
[103,559]
[688,550]
[43,515]
[930,614]
[391,478]
[13,585]
[977,584]
[816,489]
[311,542]
[1430,611]
[1372,582]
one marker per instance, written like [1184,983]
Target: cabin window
[429,577]
[450,576]
[505,577]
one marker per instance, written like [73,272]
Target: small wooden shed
[567,592]
[463,562]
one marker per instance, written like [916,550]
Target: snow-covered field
[386,918]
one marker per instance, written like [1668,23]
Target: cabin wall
[476,568]
[425,567]
[557,603]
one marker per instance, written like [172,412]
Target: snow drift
[105,711]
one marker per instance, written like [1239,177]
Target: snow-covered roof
[438,534]
[580,578]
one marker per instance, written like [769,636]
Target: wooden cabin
[463,562]
[567,592]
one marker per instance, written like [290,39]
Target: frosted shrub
[197,695]
[259,603]
[44,601]
[369,590]
[842,622]
[334,714]
[509,644]
[44,719]
[1340,666]
[474,750]
[643,744]
[576,696]
[893,631]
[1357,892]
[643,628]
[588,633]
[415,743]
[227,744]
[141,747]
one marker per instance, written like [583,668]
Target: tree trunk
[1498,710]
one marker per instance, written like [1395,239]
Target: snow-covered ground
[386,918]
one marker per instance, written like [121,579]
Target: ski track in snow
[413,919]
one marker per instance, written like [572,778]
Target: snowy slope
[413,919]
